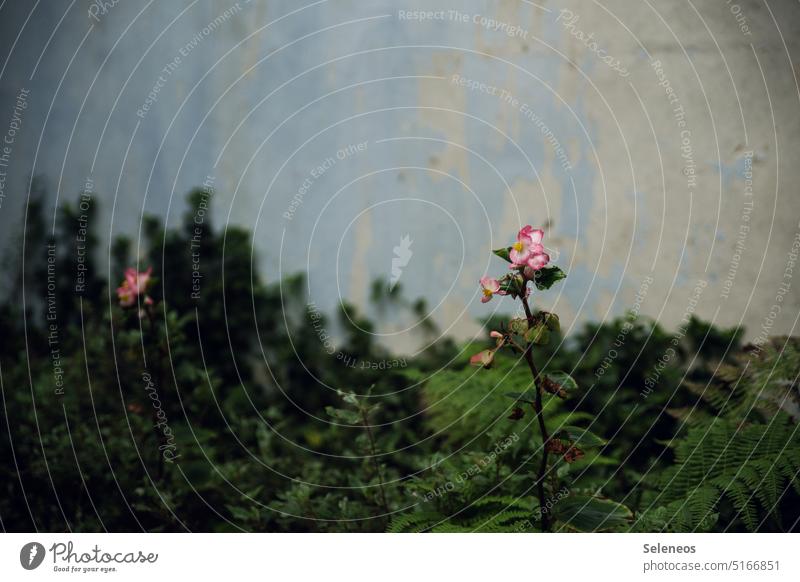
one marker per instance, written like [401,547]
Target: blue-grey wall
[634,145]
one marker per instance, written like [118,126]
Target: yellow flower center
[488,292]
[517,246]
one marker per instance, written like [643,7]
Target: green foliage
[559,383]
[579,436]
[739,470]
[468,405]
[487,514]
[274,433]
[547,277]
[756,383]
[738,461]
[538,335]
[591,514]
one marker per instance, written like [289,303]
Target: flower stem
[537,406]
[373,453]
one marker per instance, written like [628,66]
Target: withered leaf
[516,414]
[573,454]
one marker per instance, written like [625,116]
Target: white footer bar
[405,557]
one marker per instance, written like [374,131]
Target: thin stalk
[537,406]
[373,450]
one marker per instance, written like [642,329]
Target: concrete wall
[655,140]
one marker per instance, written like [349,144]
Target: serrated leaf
[588,514]
[580,436]
[547,277]
[503,253]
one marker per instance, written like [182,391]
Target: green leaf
[551,321]
[345,416]
[580,436]
[512,284]
[528,396]
[239,513]
[547,277]
[584,513]
[350,399]
[538,334]
[503,253]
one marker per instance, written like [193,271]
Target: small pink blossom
[496,334]
[534,236]
[490,287]
[528,251]
[134,285]
[483,358]
[529,241]
[538,261]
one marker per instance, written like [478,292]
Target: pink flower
[533,236]
[483,358]
[528,250]
[527,238]
[538,261]
[490,287]
[135,284]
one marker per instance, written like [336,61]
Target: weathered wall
[639,165]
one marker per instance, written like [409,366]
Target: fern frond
[751,465]
[415,522]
